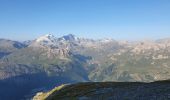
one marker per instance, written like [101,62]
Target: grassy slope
[110,91]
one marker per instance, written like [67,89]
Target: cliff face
[109,91]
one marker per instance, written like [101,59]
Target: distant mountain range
[48,61]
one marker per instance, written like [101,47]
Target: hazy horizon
[59,36]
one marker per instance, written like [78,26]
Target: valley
[50,61]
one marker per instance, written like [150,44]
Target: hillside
[109,91]
[53,61]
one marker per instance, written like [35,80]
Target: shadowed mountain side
[82,58]
[2,54]
[25,86]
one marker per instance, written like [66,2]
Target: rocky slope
[70,59]
[109,91]
[9,46]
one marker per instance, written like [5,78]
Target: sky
[117,19]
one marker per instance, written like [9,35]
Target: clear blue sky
[118,19]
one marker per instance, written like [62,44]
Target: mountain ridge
[108,91]
[75,59]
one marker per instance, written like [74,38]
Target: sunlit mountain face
[38,65]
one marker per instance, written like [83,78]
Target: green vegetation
[110,90]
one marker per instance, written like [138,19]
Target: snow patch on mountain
[47,40]
[69,37]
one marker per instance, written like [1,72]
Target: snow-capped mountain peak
[69,37]
[47,39]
